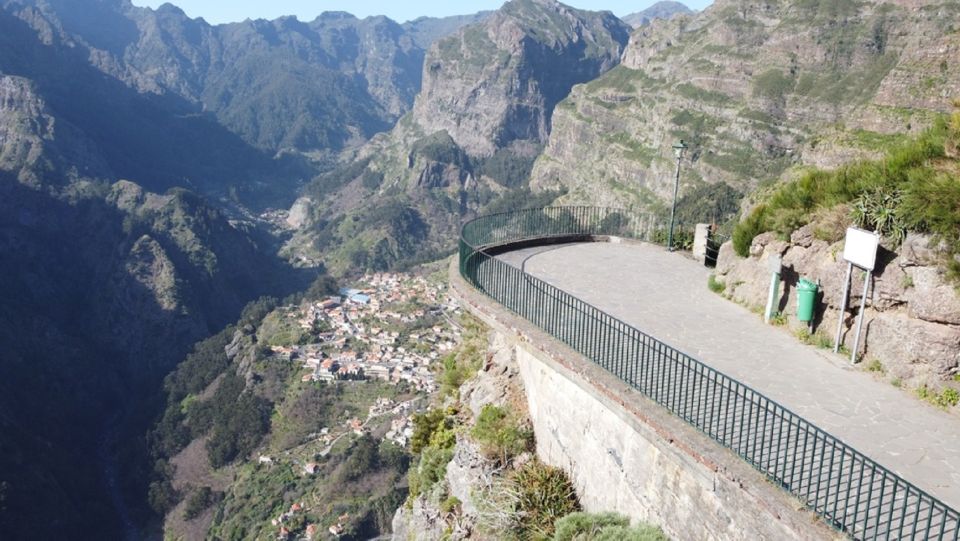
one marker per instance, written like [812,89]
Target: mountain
[482,116]
[661,10]
[282,84]
[105,288]
[134,142]
[107,283]
[426,30]
[754,91]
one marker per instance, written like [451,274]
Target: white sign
[860,248]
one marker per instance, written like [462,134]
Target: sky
[225,11]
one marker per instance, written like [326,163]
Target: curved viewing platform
[874,462]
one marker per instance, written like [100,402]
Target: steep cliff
[105,287]
[754,88]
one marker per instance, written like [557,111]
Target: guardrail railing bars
[850,491]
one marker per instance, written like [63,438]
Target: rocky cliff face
[754,89]
[496,83]
[34,145]
[104,289]
[485,111]
[912,321]
[470,472]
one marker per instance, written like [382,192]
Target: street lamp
[678,152]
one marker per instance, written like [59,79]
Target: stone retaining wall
[912,320]
[626,454]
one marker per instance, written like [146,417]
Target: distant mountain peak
[335,15]
[167,7]
[665,9]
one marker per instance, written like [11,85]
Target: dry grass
[830,224]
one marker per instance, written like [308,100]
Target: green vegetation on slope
[916,187]
[582,526]
[526,503]
[500,434]
[434,435]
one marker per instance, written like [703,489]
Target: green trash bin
[806,299]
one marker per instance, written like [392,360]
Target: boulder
[912,348]
[766,242]
[727,258]
[890,289]
[916,251]
[803,237]
[299,213]
[932,298]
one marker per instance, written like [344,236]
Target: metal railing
[714,242]
[850,491]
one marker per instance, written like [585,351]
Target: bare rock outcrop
[469,472]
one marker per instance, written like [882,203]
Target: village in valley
[381,339]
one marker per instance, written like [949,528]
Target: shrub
[876,366]
[879,209]
[946,398]
[434,435]
[682,237]
[604,527]
[526,503]
[199,501]
[435,427]
[581,525]
[500,435]
[463,363]
[907,190]
[750,227]
[952,146]
[544,494]
[449,505]
[431,468]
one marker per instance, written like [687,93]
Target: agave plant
[879,209]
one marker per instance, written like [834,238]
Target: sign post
[859,250]
[776,265]
[843,307]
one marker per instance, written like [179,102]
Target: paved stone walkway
[665,295]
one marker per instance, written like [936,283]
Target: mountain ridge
[755,92]
[484,113]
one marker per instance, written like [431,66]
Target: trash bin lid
[805,284]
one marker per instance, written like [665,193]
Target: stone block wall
[626,454]
[912,319]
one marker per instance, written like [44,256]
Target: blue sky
[223,11]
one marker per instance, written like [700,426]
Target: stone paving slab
[665,295]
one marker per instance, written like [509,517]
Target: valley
[223,248]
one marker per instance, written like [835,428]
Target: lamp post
[678,152]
